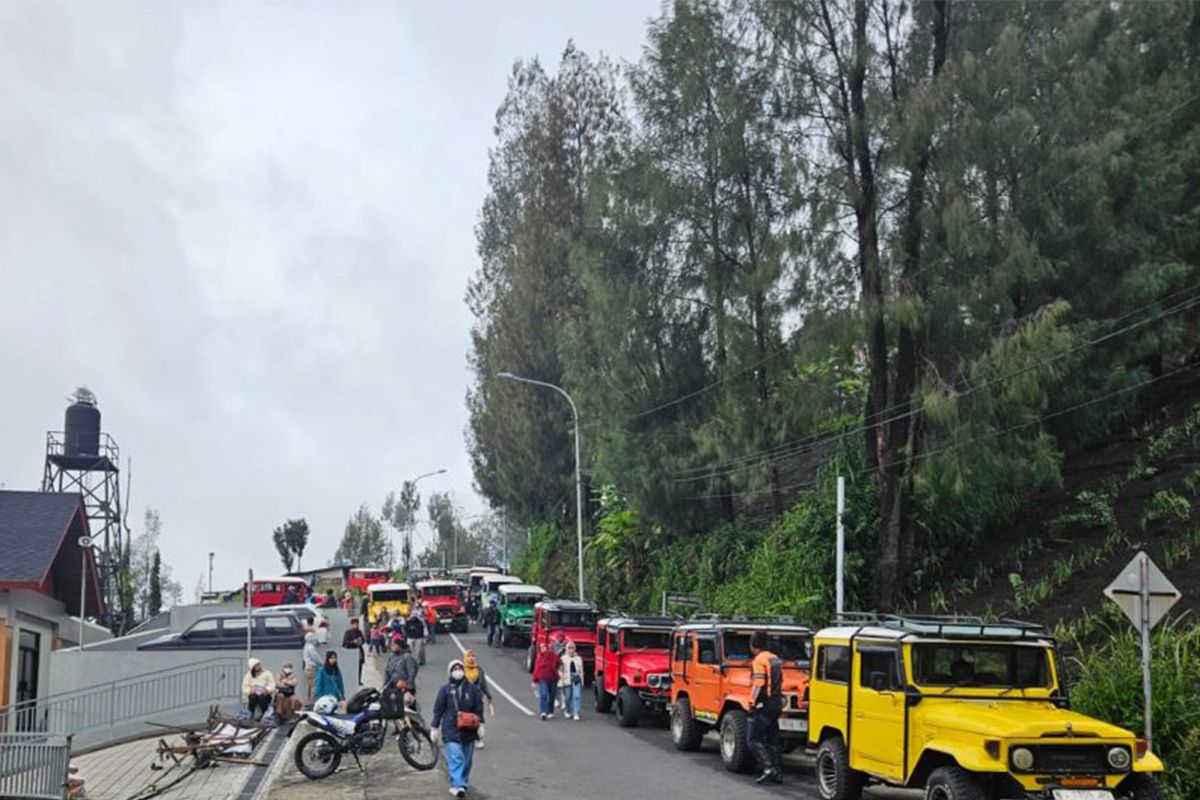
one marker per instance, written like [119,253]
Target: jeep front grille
[1069,759]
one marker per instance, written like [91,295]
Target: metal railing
[34,765]
[99,714]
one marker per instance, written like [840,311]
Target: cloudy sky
[248,228]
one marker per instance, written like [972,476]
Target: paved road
[594,758]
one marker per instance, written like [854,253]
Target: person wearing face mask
[476,675]
[570,682]
[457,717]
[545,679]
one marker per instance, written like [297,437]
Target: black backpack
[361,699]
[391,703]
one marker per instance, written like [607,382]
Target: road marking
[492,684]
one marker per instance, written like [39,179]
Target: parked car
[710,682]
[443,602]
[516,611]
[305,611]
[633,666]
[962,708]
[574,620]
[271,631]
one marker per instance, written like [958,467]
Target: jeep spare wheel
[629,707]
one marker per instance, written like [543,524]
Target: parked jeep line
[966,709]
[443,603]
[710,682]
[574,620]
[633,666]
[516,611]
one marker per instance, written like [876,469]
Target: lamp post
[210,562]
[578,474]
[408,530]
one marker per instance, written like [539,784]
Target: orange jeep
[710,682]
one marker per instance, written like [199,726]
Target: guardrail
[34,765]
[99,714]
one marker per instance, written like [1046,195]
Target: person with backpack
[457,717]
[414,630]
[545,679]
[766,704]
[491,621]
[401,670]
[570,682]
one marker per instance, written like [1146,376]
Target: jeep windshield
[393,596]
[989,665]
[440,591]
[573,619]
[647,640]
[788,646]
[524,599]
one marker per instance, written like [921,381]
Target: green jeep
[516,611]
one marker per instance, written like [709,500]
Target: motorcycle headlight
[1119,758]
[1021,758]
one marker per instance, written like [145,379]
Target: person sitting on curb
[257,687]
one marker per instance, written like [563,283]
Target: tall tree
[290,539]
[401,513]
[155,599]
[364,543]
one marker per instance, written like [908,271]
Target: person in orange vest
[766,704]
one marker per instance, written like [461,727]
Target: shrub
[1166,506]
[1109,686]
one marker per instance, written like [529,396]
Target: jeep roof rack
[649,620]
[947,626]
[726,619]
[565,604]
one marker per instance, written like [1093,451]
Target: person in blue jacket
[456,697]
[329,678]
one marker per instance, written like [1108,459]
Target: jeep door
[706,678]
[607,649]
[877,711]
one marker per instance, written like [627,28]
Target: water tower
[81,459]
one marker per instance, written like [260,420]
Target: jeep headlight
[1021,758]
[1119,758]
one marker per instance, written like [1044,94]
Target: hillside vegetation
[949,251]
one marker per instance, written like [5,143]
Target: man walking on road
[766,704]
[401,670]
[491,621]
[353,639]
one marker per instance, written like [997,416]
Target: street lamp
[578,474]
[408,532]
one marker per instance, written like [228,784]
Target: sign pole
[664,604]
[82,593]
[841,545]
[1144,590]
[249,609]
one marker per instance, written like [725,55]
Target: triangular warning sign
[1126,590]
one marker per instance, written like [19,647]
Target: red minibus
[270,591]
[363,577]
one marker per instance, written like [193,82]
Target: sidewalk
[385,775]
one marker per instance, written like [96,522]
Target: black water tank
[82,429]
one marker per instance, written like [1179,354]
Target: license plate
[1082,794]
[796,726]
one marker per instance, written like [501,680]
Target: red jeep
[443,604]
[633,666]
[576,621]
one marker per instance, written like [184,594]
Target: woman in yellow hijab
[476,676]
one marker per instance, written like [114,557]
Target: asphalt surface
[594,758]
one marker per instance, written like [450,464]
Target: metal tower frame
[97,478]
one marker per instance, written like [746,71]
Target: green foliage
[154,599]
[364,543]
[1095,509]
[1166,506]
[290,540]
[1109,686]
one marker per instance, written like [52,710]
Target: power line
[804,446]
[959,445]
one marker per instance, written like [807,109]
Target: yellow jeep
[964,709]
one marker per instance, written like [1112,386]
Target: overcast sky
[248,227]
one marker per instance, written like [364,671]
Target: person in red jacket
[545,679]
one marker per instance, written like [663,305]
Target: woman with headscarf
[545,679]
[457,716]
[329,678]
[286,702]
[312,663]
[257,687]
[570,681]
[475,674]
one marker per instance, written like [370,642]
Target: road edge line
[492,684]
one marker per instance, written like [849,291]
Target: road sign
[1145,595]
[685,600]
[1126,591]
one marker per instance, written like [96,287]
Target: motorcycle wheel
[418,749]
[318,755]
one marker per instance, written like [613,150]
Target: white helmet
[326,704]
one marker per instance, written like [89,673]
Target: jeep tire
[686,732]
[1139,787]
[954,783]
[603,698]
[835,779]
[629,707]
[735,750]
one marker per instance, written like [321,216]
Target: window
[1010,666]
[878,669]
[234,626]
[390,596]
[833,663]
[788,646]
[573,619]
[647,640]
[683,647]
[203,629]
[708,649]
[613,641]
[277,626]
[440,591]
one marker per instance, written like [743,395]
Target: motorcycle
[361,733]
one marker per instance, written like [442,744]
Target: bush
[1109,686]
[1165,505]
